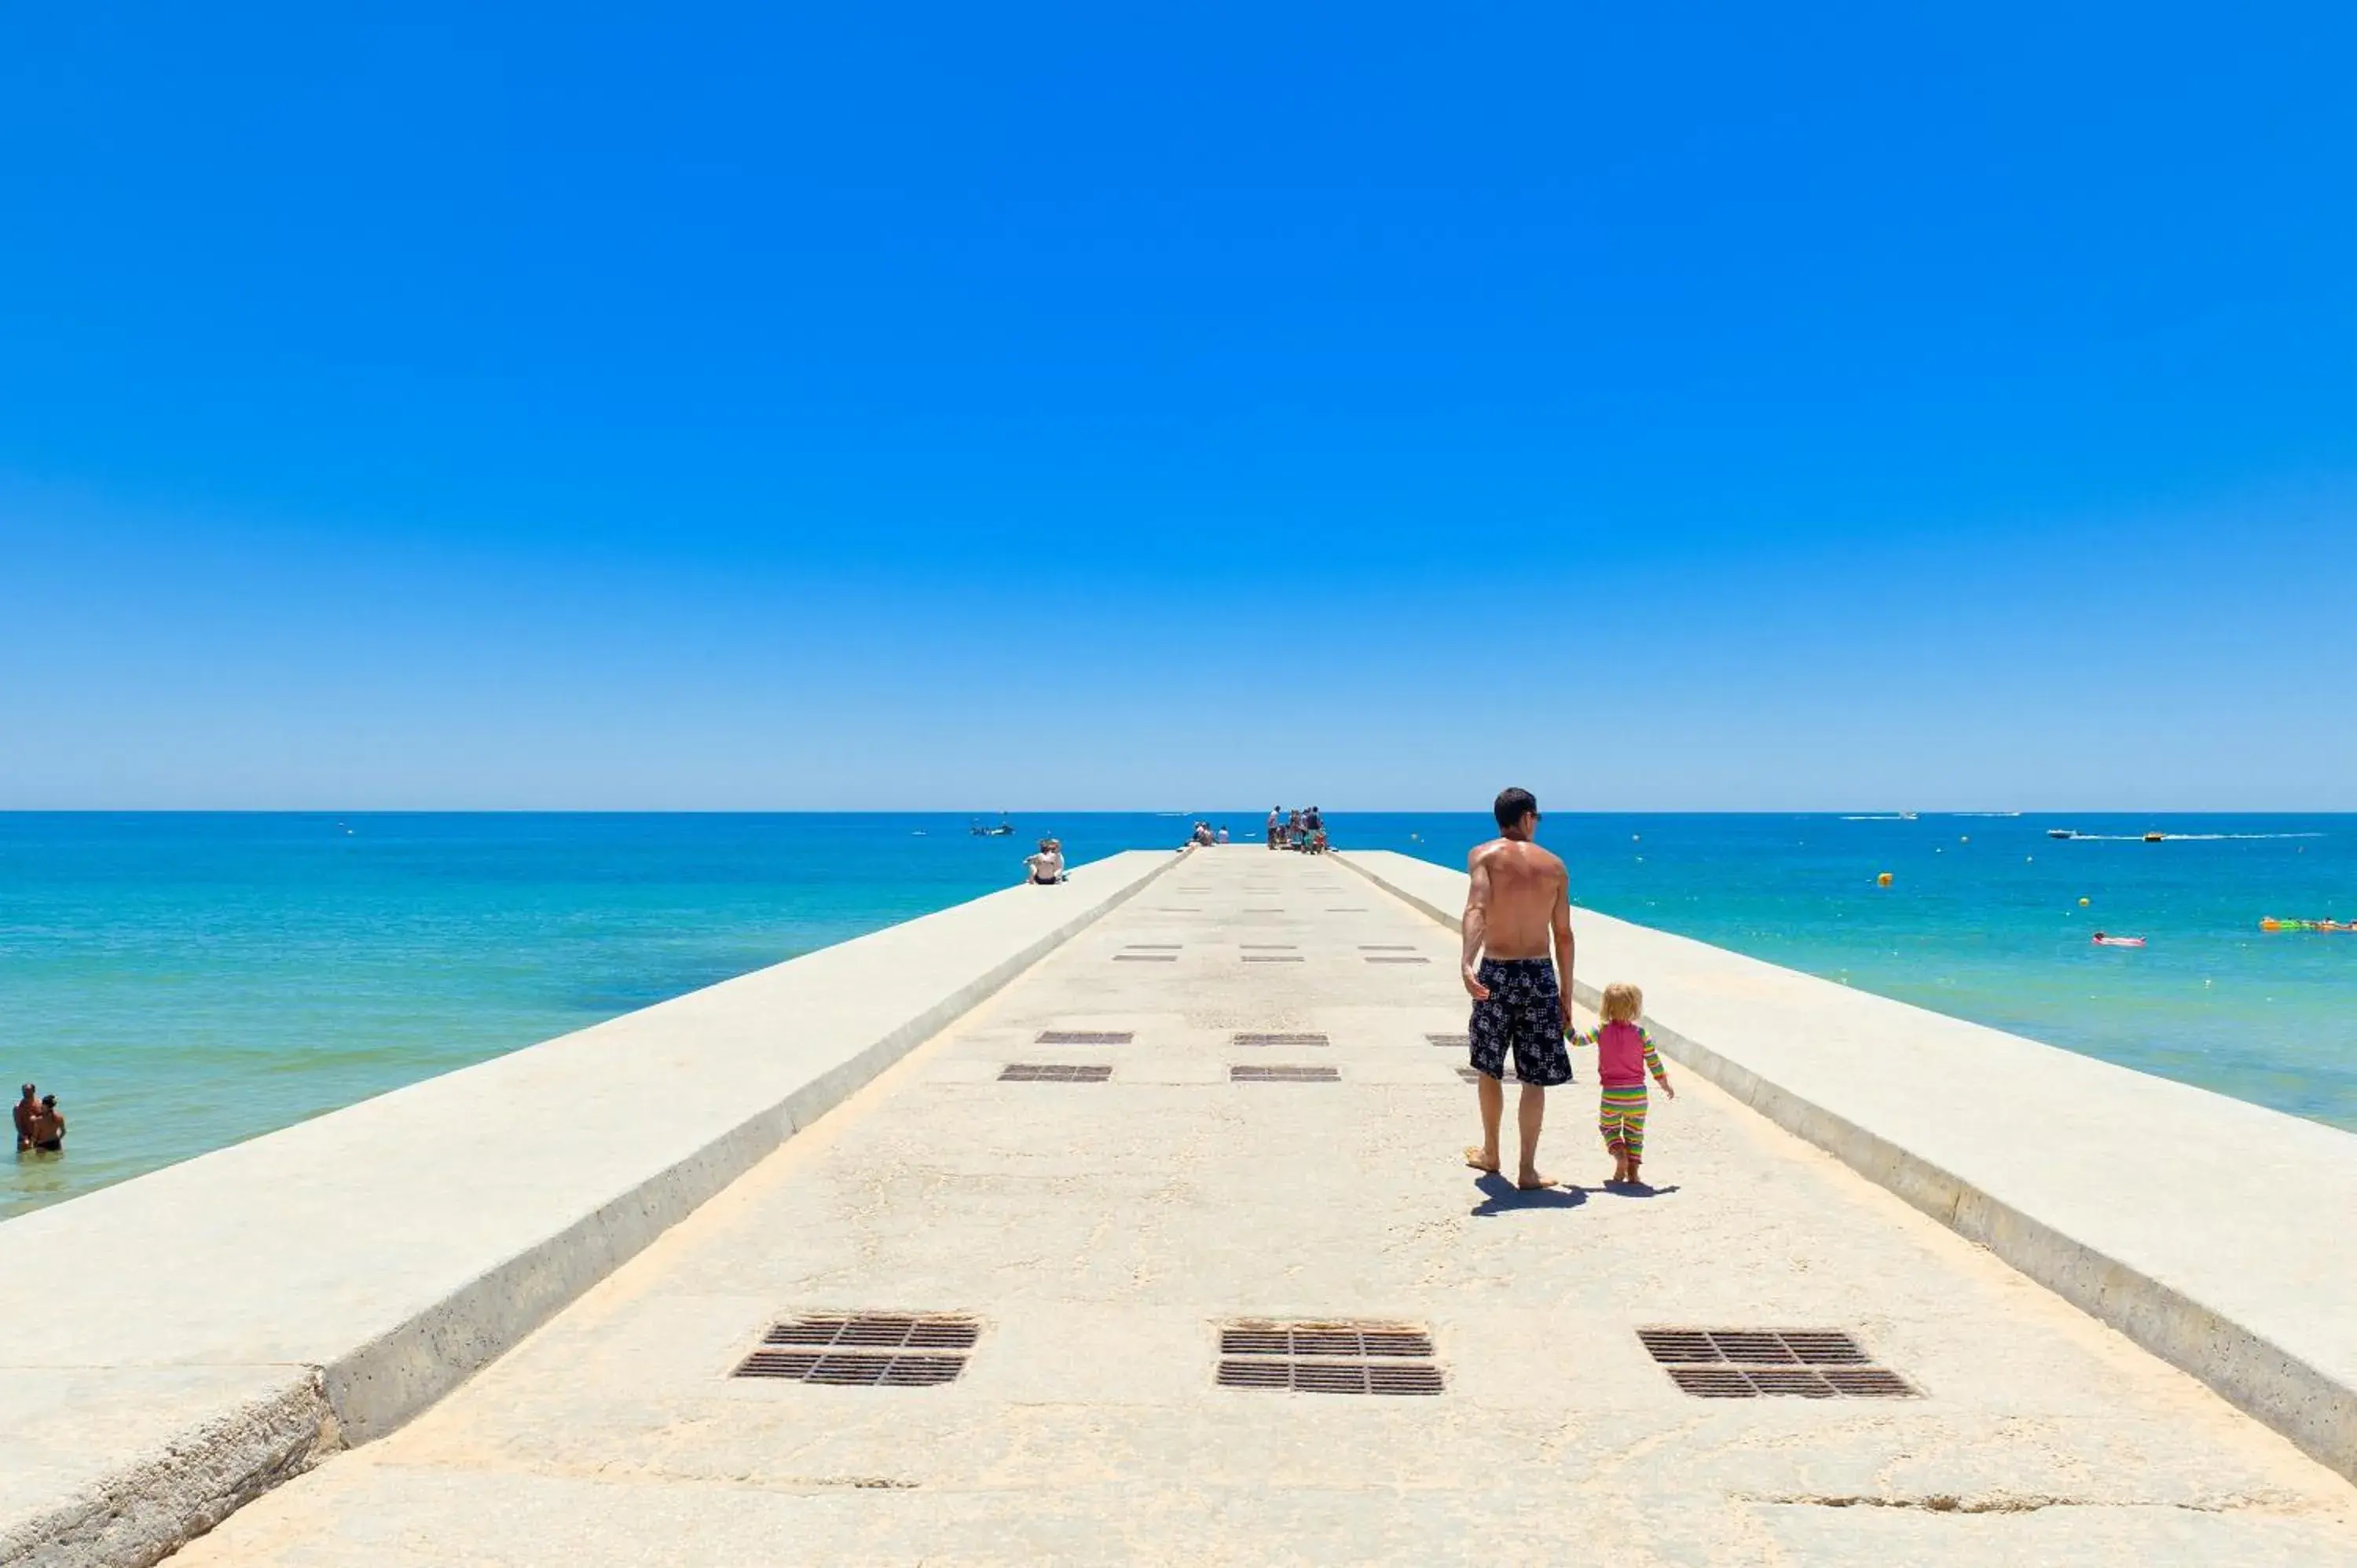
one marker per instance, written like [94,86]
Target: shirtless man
[1519,899]
[28,1110]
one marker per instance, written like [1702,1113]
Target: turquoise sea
[183,980]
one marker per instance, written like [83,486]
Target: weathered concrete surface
[2211,1231]
[1104,1232]
[177,1344]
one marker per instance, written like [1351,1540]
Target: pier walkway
[1100,1223]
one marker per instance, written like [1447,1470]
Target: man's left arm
[1563,948]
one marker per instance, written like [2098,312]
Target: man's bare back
[1520,889]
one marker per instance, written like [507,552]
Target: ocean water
[183,981]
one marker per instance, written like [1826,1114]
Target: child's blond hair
[1623,1003]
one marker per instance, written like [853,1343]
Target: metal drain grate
[1173,909]
[1056,1072]
[1152,947]
[1146,958]
[1469,1076]
[1328,1358]
[1274,958]
[864,1351]
[1084,1038]
[1753,1363]
[1387,958]
[1264,911]
[1268,947]
[1282,1075]
[1349,909]
[1451,1042]
[1387,947]
[1324,1339]
[1282,1040]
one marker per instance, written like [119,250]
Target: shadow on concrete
[1499,1196]
[1636,1189]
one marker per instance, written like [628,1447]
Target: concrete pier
[1102,1226]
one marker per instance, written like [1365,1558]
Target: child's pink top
[1624,1055]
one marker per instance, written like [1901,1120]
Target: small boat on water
[2155,837]
[2062,832]
[1002,830]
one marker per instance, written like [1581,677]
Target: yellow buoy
[1883,880]
[2083,903]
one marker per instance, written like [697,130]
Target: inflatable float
[2272,924]
[2103,941]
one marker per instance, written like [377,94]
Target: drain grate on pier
[1450,1042]
[1084,1038]
[1056,1072]
[1274,958]
[1328,1358]
[1393,958]
[1753,1363]
[1282,1075]
[864,1351]
[1282,1040]
[1152,947]
[1469,1076]
[1146,958]
[1268,947]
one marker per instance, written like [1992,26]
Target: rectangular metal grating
[1388,957]
[1282,1040]
[1274,958]
[1469,1076]
[1755,1363]
[1753,1347]
[1328,1358]
[1056,1072]
[890,1350]
[852,1370]
[1152,947]
[1398,1339]
[873,1330]
[1146,958]
[1450,1042]
[1084,1038]
[1387,947]
[1282,1075]
[1268,947]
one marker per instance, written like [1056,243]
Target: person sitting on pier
[1047,866]
[28,1110]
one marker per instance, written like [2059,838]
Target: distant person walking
[28,1110]
[1275,824]
[1519,899]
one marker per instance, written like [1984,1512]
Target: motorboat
[2062,832]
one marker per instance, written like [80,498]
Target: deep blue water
[185,980]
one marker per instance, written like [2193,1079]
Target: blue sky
[713,406]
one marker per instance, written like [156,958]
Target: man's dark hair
[1512,806]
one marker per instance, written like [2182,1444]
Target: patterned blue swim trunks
[1524,1015]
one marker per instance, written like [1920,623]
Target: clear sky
[722,404]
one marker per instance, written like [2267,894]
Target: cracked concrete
[1102,1231]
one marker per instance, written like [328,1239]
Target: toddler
[1624,1055]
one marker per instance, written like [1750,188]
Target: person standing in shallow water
[28,1110]
[1519,904]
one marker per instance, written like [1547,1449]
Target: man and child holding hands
[1518,906]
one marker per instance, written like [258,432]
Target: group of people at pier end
[1299,829]
[1517,909]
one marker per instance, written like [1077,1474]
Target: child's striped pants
[1622,1120]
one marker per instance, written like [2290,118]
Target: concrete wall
[172,1347]
[2212,1232]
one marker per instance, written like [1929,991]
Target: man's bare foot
[1531,1181]
[1632,1177]
[1620,1174]
[1480,1159]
